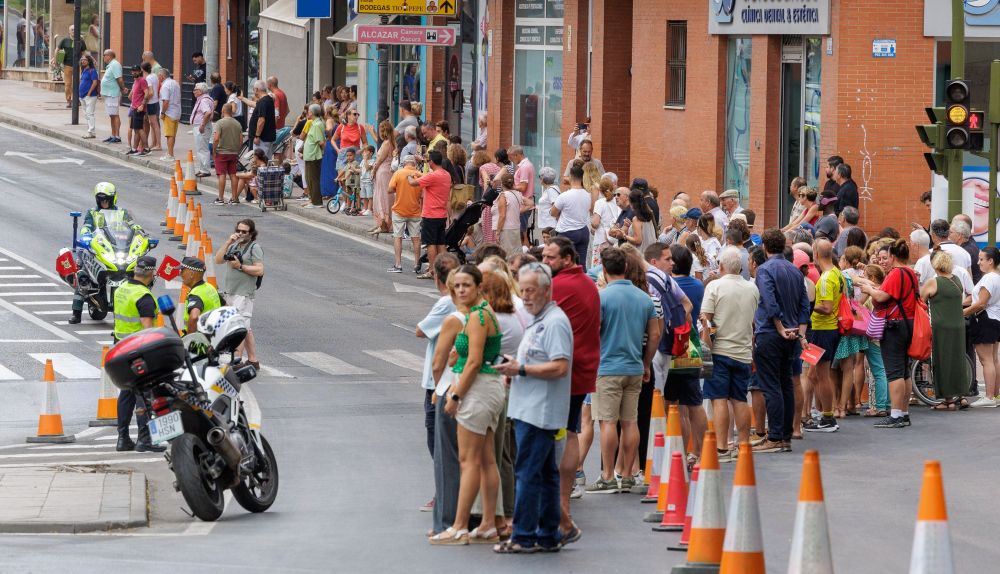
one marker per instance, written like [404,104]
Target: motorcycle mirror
[166,304]
[75,214]
[153,243]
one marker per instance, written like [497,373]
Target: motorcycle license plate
[162,429]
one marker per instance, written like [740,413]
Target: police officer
[106,198]
[202,297]
[135,310]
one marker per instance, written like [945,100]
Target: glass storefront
[813,98]
[32,29]
[737,162]
[538,81]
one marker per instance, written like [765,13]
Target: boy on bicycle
[349,179]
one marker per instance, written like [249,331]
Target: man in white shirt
[940,228]
[153,110]
[730,200]
[170,109]
[711,204]
[919,249]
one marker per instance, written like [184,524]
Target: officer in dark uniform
[135,310]
[202,297]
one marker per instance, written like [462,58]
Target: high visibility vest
[127,320]
[209,299]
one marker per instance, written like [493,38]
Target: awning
[280,17]
[347,35]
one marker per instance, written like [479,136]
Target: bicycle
[922,381]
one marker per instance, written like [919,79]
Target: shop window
[737,163]
[812,98]
[676,62]
[538,81]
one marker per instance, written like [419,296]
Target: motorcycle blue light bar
[166,304]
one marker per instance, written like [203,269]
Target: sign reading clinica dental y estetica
[798,17]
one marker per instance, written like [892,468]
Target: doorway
[800,116]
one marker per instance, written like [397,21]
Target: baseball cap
[799,258]
[136,68]
[640,183]
[693,213]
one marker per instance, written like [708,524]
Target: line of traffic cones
[50,427]
[107,400]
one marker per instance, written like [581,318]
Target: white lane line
[105,342]
[10,181]
[199,528]
[69,365]
[94,332]
[20,276]
[50,313]
[399,357]
[85,462]
[71,446]
[327,363]
[405,327]
[39,322]
[4,259]
[88,432]
[272,372]
[9,375]
[124,455]
[112,437]
[32,264]
[27,303]
[84,323]
[12,268]
[32,341]
[35,294]
[27,284]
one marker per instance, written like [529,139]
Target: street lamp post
[74,63]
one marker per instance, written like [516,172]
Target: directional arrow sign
[31,156]
[407,7]
[426,291]
[407,35]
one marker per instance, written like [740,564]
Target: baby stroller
[244,158]
[456,231]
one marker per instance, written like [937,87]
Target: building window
[737,168]
[812,122]
[676,62]
[538,81]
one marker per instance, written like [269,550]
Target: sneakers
[638,479]
[984,402]
[310,206]
[89,136]
[428,506]
[821,424]
[416,269]
[626,484]
[395,269]
[366,212]
[786,446]
[109,139]
[578,490]
[219,202]
[166,158]
[602,486]
[756,439]
[768,445]
[426,275]
[727,455]
[132,152]
[144,152]
[892,423]
[581,478]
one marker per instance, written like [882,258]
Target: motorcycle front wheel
[96,313]
[201,492]
[257,491]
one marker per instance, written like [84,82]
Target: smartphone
[582,127]
[500,359]
[423,151]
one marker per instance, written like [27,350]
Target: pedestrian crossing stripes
[11,268]
[327,363]
[69,365]
[22,285]
[9,375]
[34,294]
[400,358]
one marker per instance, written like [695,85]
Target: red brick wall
[611,87]
[765,128]
[500,93]
[575,16]
[434,110]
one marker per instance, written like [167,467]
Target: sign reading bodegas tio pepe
[798,17]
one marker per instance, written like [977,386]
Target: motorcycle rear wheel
[202,493]
[257,492]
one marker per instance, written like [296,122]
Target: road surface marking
[328,364]
[47,160]
[35,294]
[405,327]
[26,284]
[400,358]
[20,276]
[200,528]
[94,332]
[88,432]
[84,462]
[32,341]
[12,182]
[272,372]
[71,446]
[9,375]
[39,322]
[11,268]
[50,313]
[123,454]
[25,303]
[69,365]
[83,323]
[31,264]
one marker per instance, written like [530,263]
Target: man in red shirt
[436,186]
[280,102]
[576,294]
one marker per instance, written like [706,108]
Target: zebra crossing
[370,364]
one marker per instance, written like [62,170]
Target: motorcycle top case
[144,358]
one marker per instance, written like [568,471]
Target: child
[248,179]
[367,178]
[547,234]
[349,179]
[468,244]
[288,182]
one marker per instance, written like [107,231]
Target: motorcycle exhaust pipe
[221,442]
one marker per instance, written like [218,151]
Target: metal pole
[211,48]
[383,84]
[991,227]
[75,63]
[955,159]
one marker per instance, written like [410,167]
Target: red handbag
[682,337]
[920,342]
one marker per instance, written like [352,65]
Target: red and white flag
[169,268]
[65,264]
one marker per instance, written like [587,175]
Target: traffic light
[957,114]
[932,135]
[977,121]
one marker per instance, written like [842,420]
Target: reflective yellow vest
[127,319]
[209,298]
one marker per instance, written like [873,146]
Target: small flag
[169,269]
[65,264]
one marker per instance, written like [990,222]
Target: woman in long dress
[328,172]
[383,173]
[944,300]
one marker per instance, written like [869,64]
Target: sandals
[450,537]
[484,537]
[876,413]
[944,407]
[511,547]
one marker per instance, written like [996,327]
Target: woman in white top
[506,213]
[642,228]
[710,243]
[985,313]
[606,212]
[572,210]
[550,192]
[233,97]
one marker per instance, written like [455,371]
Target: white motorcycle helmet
[224,327]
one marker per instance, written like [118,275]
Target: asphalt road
[345,418]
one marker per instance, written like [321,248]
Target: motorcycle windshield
[118,232]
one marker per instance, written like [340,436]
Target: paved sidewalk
[44,112]
[70,500]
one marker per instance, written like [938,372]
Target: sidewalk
[44,112]
[70,500]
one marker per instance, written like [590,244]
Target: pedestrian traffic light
[957,114]
[977,122]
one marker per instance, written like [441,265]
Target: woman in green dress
[944,296]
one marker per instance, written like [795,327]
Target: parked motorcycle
[105,259]
[195,401]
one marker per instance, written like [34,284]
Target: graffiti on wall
[866,191]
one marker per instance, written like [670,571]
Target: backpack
[674,314]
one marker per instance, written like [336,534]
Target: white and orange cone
[682,544]
[107,402]
[811,536]
[657,423]
[931,540]
[674,443]
[209,262]
[50,427]
[673,516]
[190,181]
[708,521]
[653,467]
[743,548]
[180,217]
[168,220]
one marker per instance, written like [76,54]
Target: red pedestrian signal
[976,120]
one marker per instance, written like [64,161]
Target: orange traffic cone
[682,544]
[654,465]
[168,221]
[178,174]
[210,262]
[811,536]
[189,219]
[677,494]
[50,427]
[180,217]
[107,401]
[743,549]
[931,540]
[674,443]
[708,521]
[190,181]
[657,423]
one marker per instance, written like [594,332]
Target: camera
[234,256]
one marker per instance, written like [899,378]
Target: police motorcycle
[106,251]
[197,407]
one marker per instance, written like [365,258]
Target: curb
[315,215]
[137,517]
